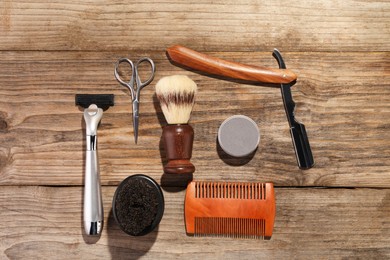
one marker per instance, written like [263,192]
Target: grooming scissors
[135,85]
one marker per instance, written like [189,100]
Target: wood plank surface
[223,25]
[340,50]
[45,222]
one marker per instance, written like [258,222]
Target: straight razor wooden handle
[202,62]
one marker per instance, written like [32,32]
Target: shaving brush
[177,95]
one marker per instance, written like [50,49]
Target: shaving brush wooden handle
[178,140]
[177,95]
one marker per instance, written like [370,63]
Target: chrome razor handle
[93,204]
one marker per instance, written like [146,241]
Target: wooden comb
[238,210]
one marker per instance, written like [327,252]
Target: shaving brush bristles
[177,96]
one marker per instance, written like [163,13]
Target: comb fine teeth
[238,210]
[230,227]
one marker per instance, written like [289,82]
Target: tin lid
[238,136]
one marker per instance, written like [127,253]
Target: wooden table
[51,50]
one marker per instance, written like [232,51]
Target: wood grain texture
[222,25]
[45,222]
[340,50]
[345,108]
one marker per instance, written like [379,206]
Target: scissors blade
[135,119]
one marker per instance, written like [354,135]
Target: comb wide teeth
[230,190]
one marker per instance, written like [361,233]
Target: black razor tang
[298,131]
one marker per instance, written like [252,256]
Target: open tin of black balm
[138,205]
